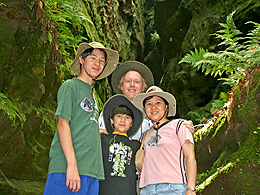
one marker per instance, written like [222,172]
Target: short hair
[89,51]
[122,109]
[144,86]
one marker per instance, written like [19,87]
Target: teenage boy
[122,120]
[76,154]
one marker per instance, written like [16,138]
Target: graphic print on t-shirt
[86,104]
[120,155]
[154,141]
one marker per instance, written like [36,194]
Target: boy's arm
[189,154]
[72,180]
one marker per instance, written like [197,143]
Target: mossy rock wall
[236,142]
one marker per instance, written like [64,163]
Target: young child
[122,120]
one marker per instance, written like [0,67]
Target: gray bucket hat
[122,100]
[127,66]
[112,59]
[156,91]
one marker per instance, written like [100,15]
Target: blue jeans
[164,188]
[56,184]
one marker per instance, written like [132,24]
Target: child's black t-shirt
[119,165]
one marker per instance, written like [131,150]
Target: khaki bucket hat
[120,99]
[156,91]
[123,68]
[112,59]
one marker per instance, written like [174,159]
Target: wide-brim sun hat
[122,100]
[156,91]
[112,58]
[123,68]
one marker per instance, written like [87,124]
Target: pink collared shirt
[164,160]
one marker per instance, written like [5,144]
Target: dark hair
[122,109]
[89,51]
[150,97]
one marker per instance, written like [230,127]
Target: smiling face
[93,64]
[155,109]
[132,84]
[122,123]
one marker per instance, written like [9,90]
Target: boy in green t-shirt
[122,120]
[75,153]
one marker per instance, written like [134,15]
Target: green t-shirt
[76,104]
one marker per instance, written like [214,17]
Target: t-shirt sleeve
[65,102]
[185,134]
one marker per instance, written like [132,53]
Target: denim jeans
[164,188]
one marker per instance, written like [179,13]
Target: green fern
[240,53]
[194,58]
[10,109]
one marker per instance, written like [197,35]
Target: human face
[122,123]
[93,64]
[132,84]
[155,109]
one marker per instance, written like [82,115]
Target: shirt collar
[118,133]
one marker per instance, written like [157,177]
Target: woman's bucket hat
[123,68]
[156,91]
[112,59]
[122,100]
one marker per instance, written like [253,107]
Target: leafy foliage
[155,37]
[68,19]
[10,109]
[240,53]
[194,58]
[219,103]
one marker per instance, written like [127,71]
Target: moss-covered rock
[231,150]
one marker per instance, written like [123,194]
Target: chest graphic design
[154,141]
[88,105]
[120,155]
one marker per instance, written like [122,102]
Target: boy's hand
[73,180]
[103,130]
[189,125]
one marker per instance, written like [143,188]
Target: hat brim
[122,100]
[127,66]
[138,101]
[112,59]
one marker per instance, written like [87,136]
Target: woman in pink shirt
[170,166]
